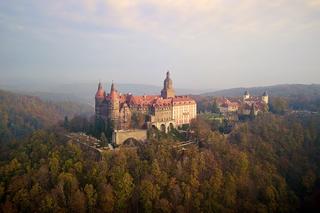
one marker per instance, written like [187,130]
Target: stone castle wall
[120,136]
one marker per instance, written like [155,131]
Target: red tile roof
[182,100]
[162,102]
[142,100]
[147,100]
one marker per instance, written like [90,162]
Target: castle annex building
[163,111]
[244,105]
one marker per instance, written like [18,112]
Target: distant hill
[58,97]
[286,90]
[20,114]
[83,92]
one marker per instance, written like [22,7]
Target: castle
[245,105]
[163,112]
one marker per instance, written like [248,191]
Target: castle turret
[114,105]
[100,92]
[265,97]
[246,95]
[167,91]
[100,96]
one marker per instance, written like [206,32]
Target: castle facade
[163,111]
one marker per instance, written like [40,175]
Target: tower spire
[113,92]
[112,86]
[167,91]
[100,92]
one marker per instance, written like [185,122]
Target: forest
[21,114]
[266,164]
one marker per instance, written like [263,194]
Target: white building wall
[183,114]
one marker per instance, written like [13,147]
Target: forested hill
[270,164]
[285,90]
[20,114]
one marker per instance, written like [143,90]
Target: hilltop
[284,90]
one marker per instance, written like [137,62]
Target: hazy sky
[205,44]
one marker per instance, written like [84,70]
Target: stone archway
[163,128]
[171,126]
[131,142]
[121,136]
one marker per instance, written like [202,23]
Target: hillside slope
[21,114]
[285,90]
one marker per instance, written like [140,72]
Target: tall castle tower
[99,98]
[265,97]
[114,105]
[167,91]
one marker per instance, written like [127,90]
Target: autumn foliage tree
[269,164]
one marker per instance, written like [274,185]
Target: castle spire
[112,86]
[113,92]
[100,92]
[167,91]
[265,97]
[246,95]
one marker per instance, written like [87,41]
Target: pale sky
[205,44]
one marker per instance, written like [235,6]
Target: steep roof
[142,100]
[113,93]
[100,92]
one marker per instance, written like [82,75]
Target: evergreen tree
[104,140]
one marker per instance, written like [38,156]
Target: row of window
[184,113]
[184,117]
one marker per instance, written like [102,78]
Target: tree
[266,164]
[104,140]
[91,196]
[149,193]
[109,127]
[78,201]
[48,204]
[66,122]
[163,205]
[229,197]
[106,198]
[99,126]
[278,105]
[79,124]
[68,185]
[201,129]
[271,198]
[123,188]
[54,165]
[214,107]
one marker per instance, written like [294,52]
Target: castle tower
[113,108]
[246,95]
[167,91]
[100,96]
[265,97]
